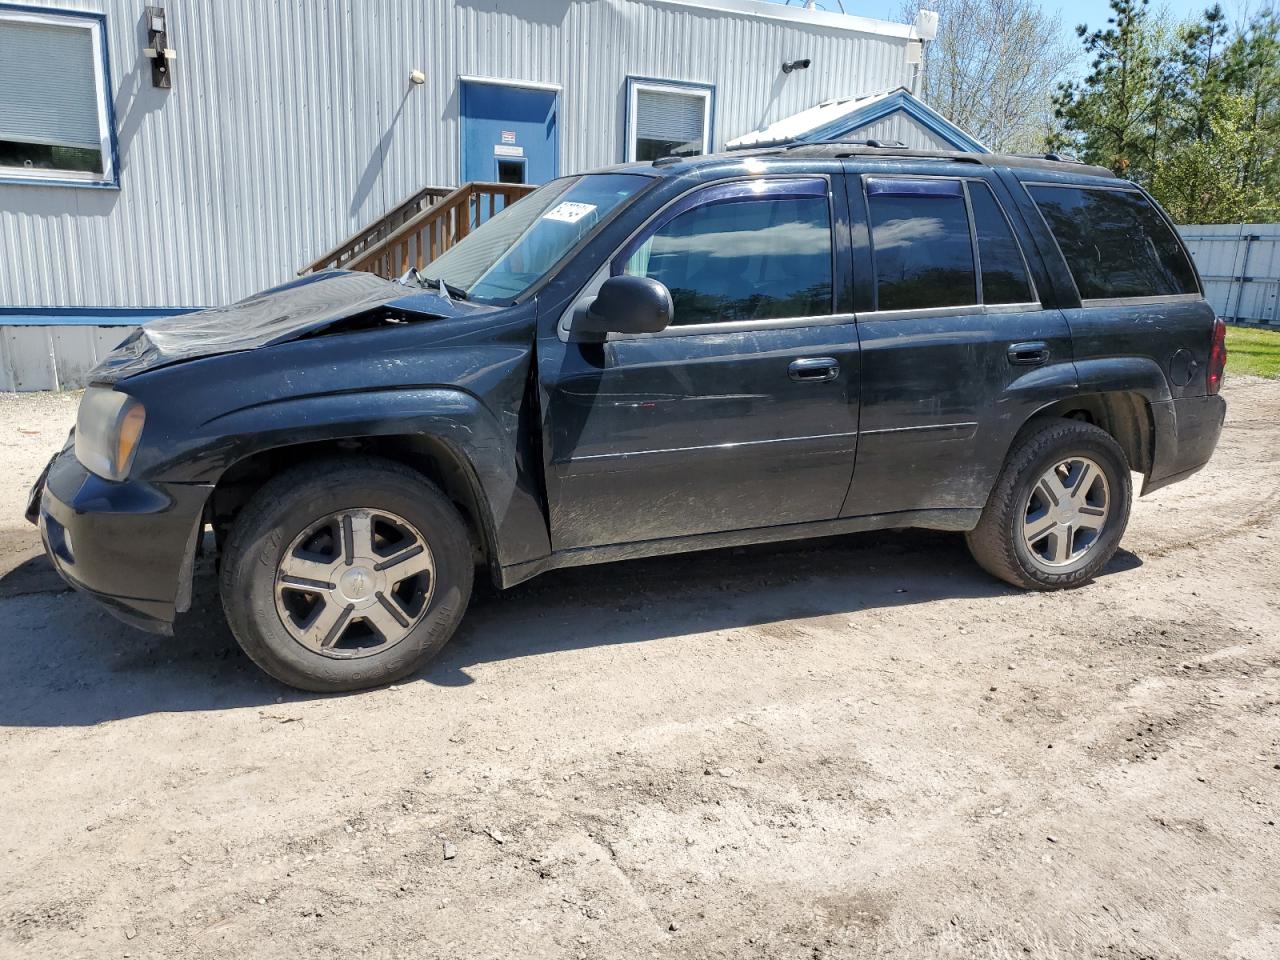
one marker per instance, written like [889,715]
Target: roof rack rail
[874,144]
[876,150]
[1051,155]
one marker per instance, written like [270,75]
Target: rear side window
[929,253]
[921,243]
[739,257]
[1115,243]
[1004,272]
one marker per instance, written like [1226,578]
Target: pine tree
[1112,115]
[1192,113]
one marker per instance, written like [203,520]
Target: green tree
[1253,75]
[1208,180]
[1192,112]
[1110,117]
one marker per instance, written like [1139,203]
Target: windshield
[508,253]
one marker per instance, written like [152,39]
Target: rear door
[957,348]
[741,414]
[1141,322]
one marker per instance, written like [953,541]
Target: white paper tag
[569,212]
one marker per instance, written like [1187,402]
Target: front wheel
[341,576]
[1058,510]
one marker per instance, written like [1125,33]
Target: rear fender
[1130,397]
[1124,375]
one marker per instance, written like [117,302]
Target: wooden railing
[418,239]
[339,257]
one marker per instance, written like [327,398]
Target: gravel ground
[859,748]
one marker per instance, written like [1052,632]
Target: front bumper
[129,545]
[1186,434]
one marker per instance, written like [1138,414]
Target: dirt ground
[860,748]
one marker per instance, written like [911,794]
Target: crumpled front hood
[274,316]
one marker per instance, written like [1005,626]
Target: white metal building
[288,125]
[1240,266]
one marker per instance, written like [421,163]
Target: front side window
[667,120]
[53,98]
[741,257]
[1115,243]
[921,244]
[510,252]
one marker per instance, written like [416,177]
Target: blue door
[509,134]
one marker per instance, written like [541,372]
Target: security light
[157,49]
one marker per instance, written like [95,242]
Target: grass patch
[1255,352]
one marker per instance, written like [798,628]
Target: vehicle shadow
[69,663]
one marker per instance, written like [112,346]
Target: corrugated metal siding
[53,357]
[1226,253]
[291,124]
[906,130]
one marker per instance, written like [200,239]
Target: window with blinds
[52,112]
[668,121]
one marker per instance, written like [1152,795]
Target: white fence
[1240,266]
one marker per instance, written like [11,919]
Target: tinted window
[921,243]
[1115,243]
[745,260]
[1004,273]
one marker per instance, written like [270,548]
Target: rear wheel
[340,576]
[1058,510]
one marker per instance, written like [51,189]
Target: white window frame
[96,24]
[636,84]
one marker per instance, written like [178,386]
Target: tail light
[1217,356]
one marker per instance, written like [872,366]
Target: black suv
[687,354]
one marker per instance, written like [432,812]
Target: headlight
[108,426]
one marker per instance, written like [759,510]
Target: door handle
[814,369]
[1029,354]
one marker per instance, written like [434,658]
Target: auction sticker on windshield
[569,212]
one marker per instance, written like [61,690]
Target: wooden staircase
[419,229]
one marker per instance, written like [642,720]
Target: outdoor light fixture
[924,30]
[417,77]
[926,25]
[796,65]
[157,49]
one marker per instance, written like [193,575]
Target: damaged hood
[280,314]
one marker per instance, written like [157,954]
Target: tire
[1026,538]
[303,581]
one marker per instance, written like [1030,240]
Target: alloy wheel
[354,583]
[1066,512]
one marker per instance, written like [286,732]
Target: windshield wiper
[447,290]
[450,292]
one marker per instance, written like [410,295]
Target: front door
[510,134]
[957,350]
[743,413]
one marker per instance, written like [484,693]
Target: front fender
[451,416]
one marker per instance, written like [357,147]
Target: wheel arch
[436,458]
[1125,414]
[478,457]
